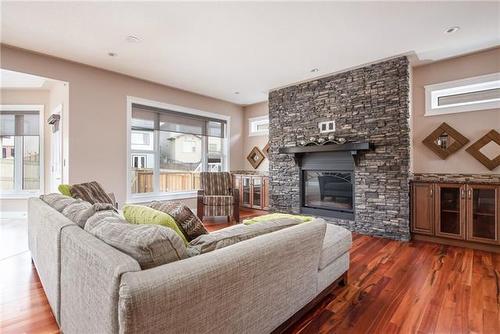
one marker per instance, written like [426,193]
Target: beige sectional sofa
[251,287]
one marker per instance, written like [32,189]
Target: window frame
[253,124]
[18,192]
[435,91]
[157,195]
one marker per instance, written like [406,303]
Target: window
[472,94]
[258,126]
[20,137]
[169,148]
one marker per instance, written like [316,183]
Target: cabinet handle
[462,192]
[469,193]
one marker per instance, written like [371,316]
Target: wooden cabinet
[449,210]
[423,212]
[254,191]
[482,214]
[456,211]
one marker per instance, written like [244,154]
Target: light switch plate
[327,126]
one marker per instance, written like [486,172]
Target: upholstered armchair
[217,196]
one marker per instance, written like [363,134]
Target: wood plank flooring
[394,287]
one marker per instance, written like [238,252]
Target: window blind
[19,123]
[146,118]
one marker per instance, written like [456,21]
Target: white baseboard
[13,214]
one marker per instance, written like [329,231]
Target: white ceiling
[11,79]
[218,48]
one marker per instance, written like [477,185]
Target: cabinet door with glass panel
[246,184]
[257,192]
[450,210]
[483,213]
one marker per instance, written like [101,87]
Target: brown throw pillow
[189,224]
[91,192]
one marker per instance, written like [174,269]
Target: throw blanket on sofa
[91,192]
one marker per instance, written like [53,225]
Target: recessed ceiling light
[451,30]
[112,54]
[133,39]
[236,93]
[314,70]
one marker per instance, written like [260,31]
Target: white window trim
[435,91]
[23,194]
[253,122]
[147,197]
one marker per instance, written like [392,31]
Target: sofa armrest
[250,287]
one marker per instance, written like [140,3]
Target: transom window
[21,128]
[169,148]
[472,94]
[258,126]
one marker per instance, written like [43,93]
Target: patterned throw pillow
[234,234]
[149,245]
[57,201]
[91,192]
[189,224]
[80,211]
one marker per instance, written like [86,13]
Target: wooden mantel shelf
[352,147]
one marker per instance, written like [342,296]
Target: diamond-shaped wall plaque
[255,157]
[475,150]
[445,141]
[265,150]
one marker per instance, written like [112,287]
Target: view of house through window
[169,149]
[20,151]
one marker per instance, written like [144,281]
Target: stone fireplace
[326,178]
[366,190]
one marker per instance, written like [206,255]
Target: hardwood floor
[394,287]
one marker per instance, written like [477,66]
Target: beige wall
[254,110]
[97,115]
[27,96]
[472,125]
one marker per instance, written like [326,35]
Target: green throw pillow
[138,214]
[65,189]
[271,216]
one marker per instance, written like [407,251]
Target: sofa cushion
[91,192]
[189,224]
[80,211]
[57,201]
[105,216]
[149,245]
[272,216]
[234,234]
[337,241]
[218,200]
[139,214]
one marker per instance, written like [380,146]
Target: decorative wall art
[445,140]
[475,150]
[255,157]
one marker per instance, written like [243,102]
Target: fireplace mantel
[353,147]
[299,151]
